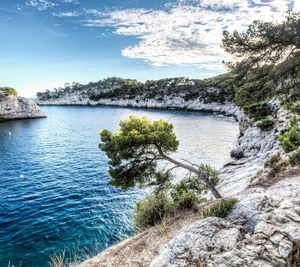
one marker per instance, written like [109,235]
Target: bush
[258,111]
[8,91]
[296,107]
[153,209]
[194,184]
[294,158]
[276,165]
[290,140]
[266,124]
[185,193]
[187,201]
[220,209]
[210,172]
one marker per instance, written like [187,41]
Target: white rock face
[263,230]
[258,147]
[197,241]
[169,102]
[12,107]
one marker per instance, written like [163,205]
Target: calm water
[54,193]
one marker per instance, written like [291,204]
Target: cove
[54,192]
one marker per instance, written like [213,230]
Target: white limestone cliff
[16,107]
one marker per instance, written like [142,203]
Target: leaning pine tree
[137,147]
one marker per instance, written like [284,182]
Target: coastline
[227,109]
[236,179]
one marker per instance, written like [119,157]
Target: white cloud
[189,32]
[40,4]
[70,1]
[66,14]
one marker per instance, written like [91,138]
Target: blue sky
[47,43]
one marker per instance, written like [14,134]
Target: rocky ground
[262,230]
[16,107]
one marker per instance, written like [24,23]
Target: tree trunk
[213,189]
[198,172]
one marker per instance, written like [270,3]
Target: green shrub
[220,209]
[294,122]
[153,209]
[210,172]
[258,111]
[276,165]
[256,176]
[295,107]
[266,124]
[8,91]
[290,140]
[187,201]
[180,188]
[294,158]
[194,184]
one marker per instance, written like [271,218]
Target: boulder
[237,153]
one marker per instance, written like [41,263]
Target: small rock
[262,263]
[293,216]
[285,248]
[237,153]
[285,204]
[265,228]
[275,239]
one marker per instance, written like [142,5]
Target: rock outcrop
[263,230]
[257,147]
[16,107]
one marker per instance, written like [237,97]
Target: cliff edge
[14,107]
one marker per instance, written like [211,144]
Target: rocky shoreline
[16,107]
[228,109]
[263,229]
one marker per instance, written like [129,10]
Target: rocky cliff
[214,95]
[16,107]
[262,230]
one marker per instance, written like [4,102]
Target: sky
[47,43]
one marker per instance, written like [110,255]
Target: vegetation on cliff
[290,140]
[267,64]
[8,91]
[217,89]
[266,71]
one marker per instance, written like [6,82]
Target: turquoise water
[54,192]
